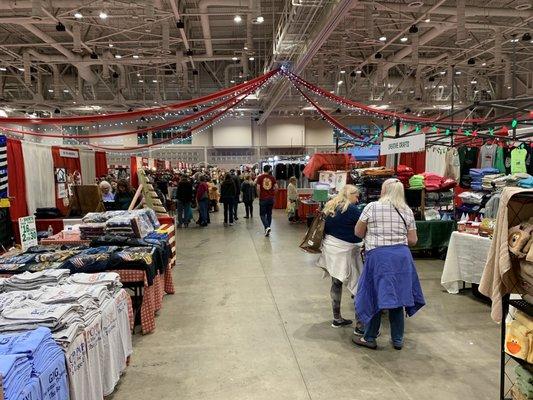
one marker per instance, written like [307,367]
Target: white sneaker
[231,224]
[267,231]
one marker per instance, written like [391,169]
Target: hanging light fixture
[103,14]
[237,19]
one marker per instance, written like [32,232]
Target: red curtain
[134,179]
[382,161]
[71,164]
[417,161]
[16,179]
[100,160]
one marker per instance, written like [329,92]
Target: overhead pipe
[27,68]
[462,35]
[203,5]
[83,70]
[56,82]
[165,38]
[498,46]
[76,39]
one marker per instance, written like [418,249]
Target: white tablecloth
[465,260]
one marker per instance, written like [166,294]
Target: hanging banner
[28,232]
[68,153]
[409,144]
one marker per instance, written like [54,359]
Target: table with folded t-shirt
[128,245]
[63,336]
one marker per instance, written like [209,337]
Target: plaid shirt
[385,227]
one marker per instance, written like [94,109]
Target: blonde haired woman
[341,258]
[389,280]
[292,199]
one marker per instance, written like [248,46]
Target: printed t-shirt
[266,183]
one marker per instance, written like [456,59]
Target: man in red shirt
[266,191]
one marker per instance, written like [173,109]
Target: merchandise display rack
[520,304]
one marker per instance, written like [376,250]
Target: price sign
[409,144]
[28,232]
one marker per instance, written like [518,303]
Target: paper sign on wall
[61,191]
[68,153]
[28,232]
[409,144]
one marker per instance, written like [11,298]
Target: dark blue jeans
[203,208]
[265,211]
[182,212]
[396,320]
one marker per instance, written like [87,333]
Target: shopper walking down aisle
[266,191]
[389,280]
[213,196]
[227,197]
[237,183]
[202,199]
[124,195]
[183,201]
[248,195]
[292,199]
[341,253]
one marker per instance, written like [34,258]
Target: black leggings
[249,207]
[336,296]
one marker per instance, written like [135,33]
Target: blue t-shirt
[342,225]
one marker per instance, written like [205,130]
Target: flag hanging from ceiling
[4,201]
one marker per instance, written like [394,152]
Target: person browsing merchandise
[266,191]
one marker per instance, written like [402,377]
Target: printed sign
[4,203]
[62,191]
[28,232]
[68,153]
[409,144]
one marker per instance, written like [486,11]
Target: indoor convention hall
[266,199]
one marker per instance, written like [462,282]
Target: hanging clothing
[417,161]
[518,161]
[529,160]
[17,180]
[436,160]
[468,159]
[499,160]
[487,156]
[507,160]
[100,161]
[453,164]
[280,171]
[499,278]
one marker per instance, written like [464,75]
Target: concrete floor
[251,320]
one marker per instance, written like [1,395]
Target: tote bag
[313,238]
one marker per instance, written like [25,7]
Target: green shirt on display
[518,161]
[499,162]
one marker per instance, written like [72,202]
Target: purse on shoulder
[314,235]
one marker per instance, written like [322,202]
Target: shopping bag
[314,235]
[188,213]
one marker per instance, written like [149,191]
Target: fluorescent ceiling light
[245,48]
[237,19]
[383,39]
[118,56]
[232,81]
[251,58]
[234,58]
[135,56]
[339,82]
[343,71]
[458,73]
[473,81]
[141,81]
[404,39]
[138,74]
[484,64]
[102,15]
[78,15]
[20,69]
[65,90]
[50,90]
[260,19]
[3,69]
[110,44]
[443,72]
[358,71]
[427,20]
[154,80]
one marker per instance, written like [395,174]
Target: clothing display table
[465,260]
[307,207]
[280,201]
[434,235]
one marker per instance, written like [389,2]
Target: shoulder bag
[314,235]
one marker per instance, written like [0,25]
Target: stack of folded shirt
[471,197]
[477,175]
[502,181]
[404,173]
[92,230]
[122,226]
[525,181]
[416,182]
[16,262]
[110,279]
[31,314]
[487,181]
[94,259]
[15,370]
[45,358]
[34,280]
[432,181]
[381,172]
